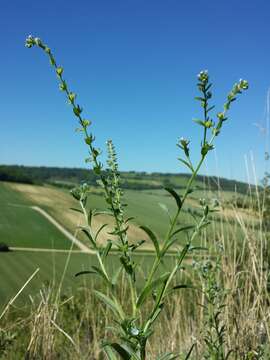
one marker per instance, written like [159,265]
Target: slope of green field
[17,266]
[147,207]
[22,226]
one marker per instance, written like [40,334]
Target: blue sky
[133,64]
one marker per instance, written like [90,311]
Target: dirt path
[83,248]
[64,231]
[15,248]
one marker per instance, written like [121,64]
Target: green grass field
[22,226]
[17,266]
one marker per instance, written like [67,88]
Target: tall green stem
[173,223]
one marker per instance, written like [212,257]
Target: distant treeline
[69,177]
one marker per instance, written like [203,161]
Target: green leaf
[109,352]
[200,122]
[146,291]
[208,87]
[120,351]
[174,240]
[106,250]
[111,303]
[194,248]
[175,195]
[185,228]
[178,287]
[190,351]
[155,314]
[116,275]
[169,244]
[78,210]
[99,230]
[85,272]
[211,108]
[87,233]
[186,163]
[165,209]
[182,286]
[153,237]
[183,254]
[100,272]
[204,225]
[129,219]
[103,213]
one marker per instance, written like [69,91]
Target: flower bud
[208,124]
[71,96]
[243,84]
[77,110]
[184,142]
[86,123]
[59,71]
[221,116]
[63,86]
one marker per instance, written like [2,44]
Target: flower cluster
[31,41]
[203,76]
[184,145]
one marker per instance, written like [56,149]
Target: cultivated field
[33,231]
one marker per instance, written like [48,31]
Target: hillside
[67,177]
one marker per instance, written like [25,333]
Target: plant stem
[173,223]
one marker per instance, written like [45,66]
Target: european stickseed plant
[133,327]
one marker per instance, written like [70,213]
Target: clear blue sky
[133,64]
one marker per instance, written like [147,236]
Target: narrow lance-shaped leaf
[173,240]
[86,272]
[155,313]
[111,303]
[129,219]
[89,236]
[109,352]
[176,196]
[146,291]
[109,213]
[101,273]
[197,248]
[166,210]
[77,210]
[120,350]
[184,228]
[99,230]
[187,164]
[116,275]
[178,287]
[153,237]
[190,351]
[106,250]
